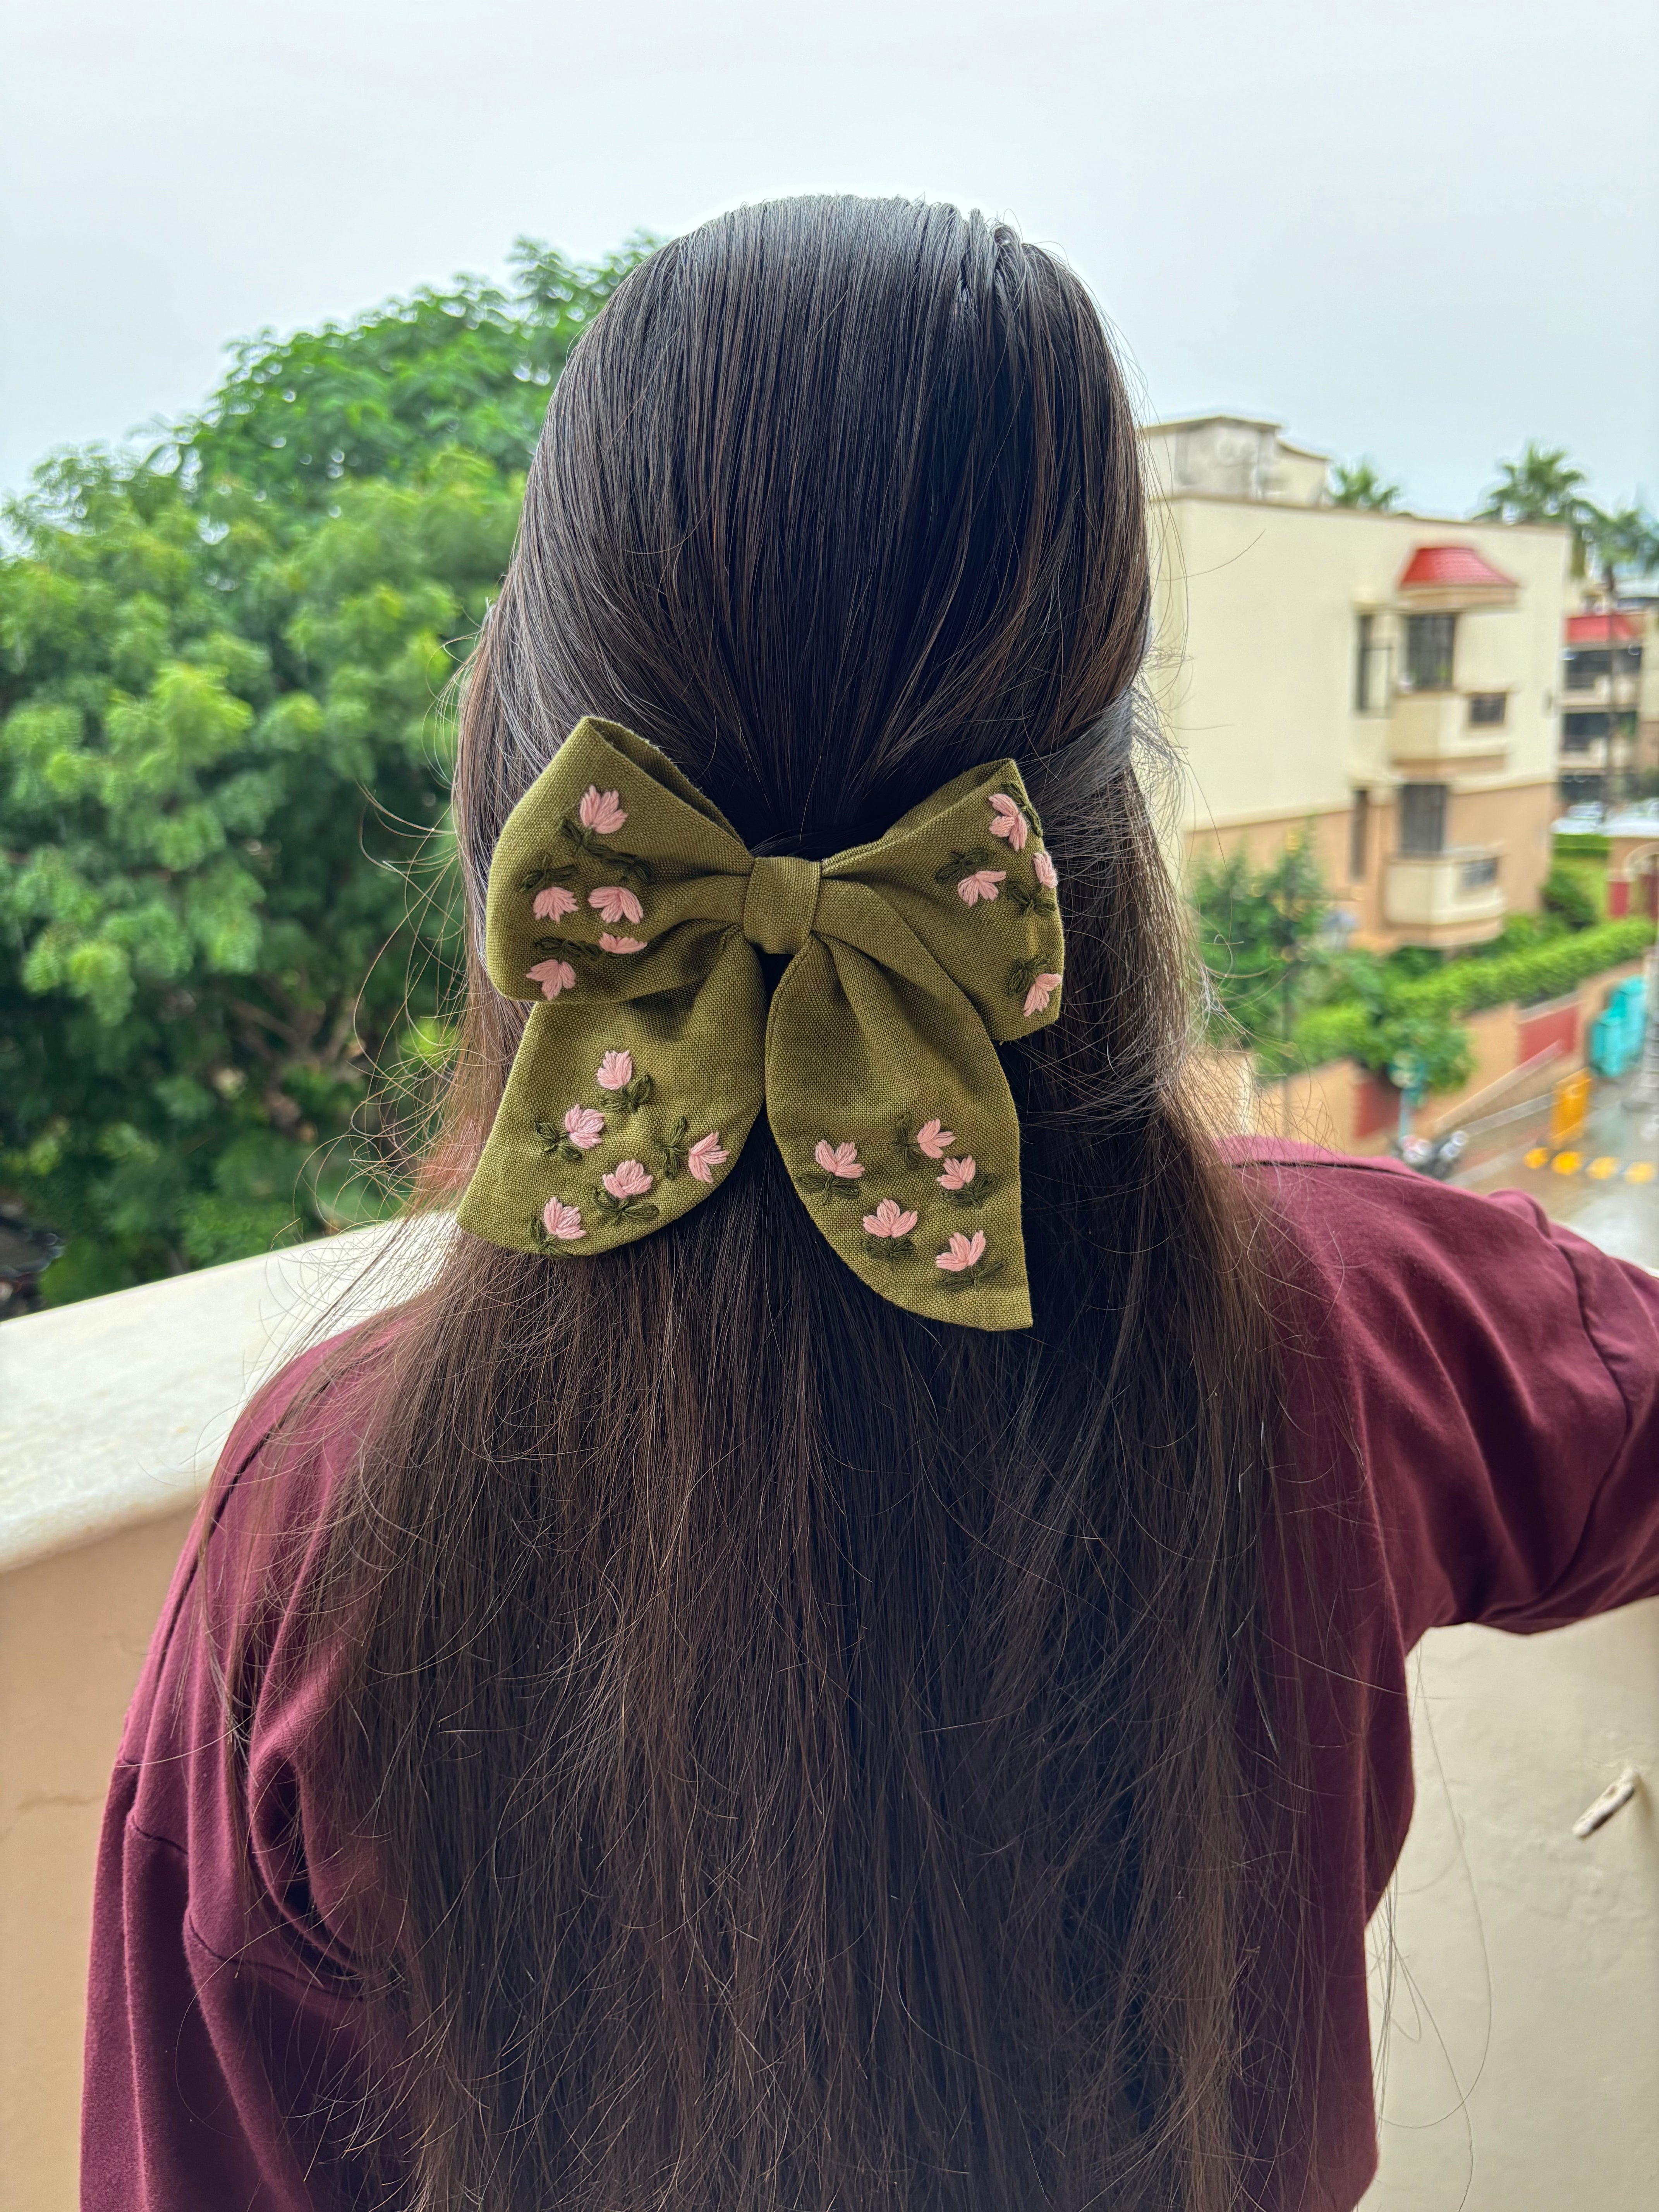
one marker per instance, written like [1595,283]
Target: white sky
[1424,231]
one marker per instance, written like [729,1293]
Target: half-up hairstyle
[803,1742]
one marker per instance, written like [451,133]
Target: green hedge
[1345,1028]
[1581,844]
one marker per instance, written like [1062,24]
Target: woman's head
[838,497]
[798,1736]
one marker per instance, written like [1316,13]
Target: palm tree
[1542,486]
[1359,485]
[1627,538]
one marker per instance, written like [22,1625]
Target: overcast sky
[1423,232]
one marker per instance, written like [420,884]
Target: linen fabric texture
[627,907]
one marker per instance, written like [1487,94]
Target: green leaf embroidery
[672,1149]
[963,864]
[983,1271]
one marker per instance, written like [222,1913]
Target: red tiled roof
[1437,567]
[1592,630]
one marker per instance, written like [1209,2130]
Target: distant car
[1588,811]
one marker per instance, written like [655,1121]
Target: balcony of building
[1448,726]
[1450,897]
[1503,1927]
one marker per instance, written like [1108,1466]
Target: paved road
[1599,1195]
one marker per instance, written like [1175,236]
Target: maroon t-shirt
[1474,1420]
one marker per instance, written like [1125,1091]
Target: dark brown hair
[804,1742]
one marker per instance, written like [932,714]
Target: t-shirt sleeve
[223,2058]
[1504,1376]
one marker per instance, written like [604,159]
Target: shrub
[1565,893]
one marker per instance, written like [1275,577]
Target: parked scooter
[1435,1155]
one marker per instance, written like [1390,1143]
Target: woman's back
[704,1735]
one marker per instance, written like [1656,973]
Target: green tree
[1358,484]
[1260,937]
[1624,541]
[1542,486]
[224,896]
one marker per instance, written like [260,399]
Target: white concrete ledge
[114,1410]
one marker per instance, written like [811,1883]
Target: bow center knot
[781,902]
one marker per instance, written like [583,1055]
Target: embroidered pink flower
[601,811]
[1047,874]
[553,975]
[554,904]
[890,1219]
[615,1071]
[584,1126]
[935,1140]
[628,1179]
[610,944]
[964,1252]
[1008,821]
[1043,989]
[838,1159]
[615,903]
[562,1221]
[958,1174]
[705,1155]
[982,885]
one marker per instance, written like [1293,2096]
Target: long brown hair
[802,1741]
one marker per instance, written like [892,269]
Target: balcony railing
[1437,726]
[1533,1954]
[1454,897]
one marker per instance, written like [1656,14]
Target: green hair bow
[628,908]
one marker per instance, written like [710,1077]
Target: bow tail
[620,1116]
[890,1109]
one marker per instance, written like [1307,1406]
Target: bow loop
[623,903]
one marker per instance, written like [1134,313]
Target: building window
[1429,640]
[1487,707]
[1422,818]
[1580,732]
[1583,672]
[1359,816]
[1476,875]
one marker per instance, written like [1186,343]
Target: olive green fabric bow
[629,909]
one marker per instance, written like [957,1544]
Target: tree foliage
[1544,486]
[224,903]
[1360,483]
[1261,938]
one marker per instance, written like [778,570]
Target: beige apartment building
[1609,703]
[1390,681]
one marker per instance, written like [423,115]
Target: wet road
[1605,1184]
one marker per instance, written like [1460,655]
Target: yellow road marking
[1639,1171]
[1601,1169]
[1567,1163]
[1539,1157]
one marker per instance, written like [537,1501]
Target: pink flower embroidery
[935,1140]
[610,944]
[890,1219]
[562,1221]
[982,885]
[705,1155]
[958,1174]
[1043,989]
[965,1252]
[615,903]
[601,811]
[628,1179]
[554,904]
[583,1127]
[615,1071]
[1008,822]
[838,1159]
[1047,875]
[554,976]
